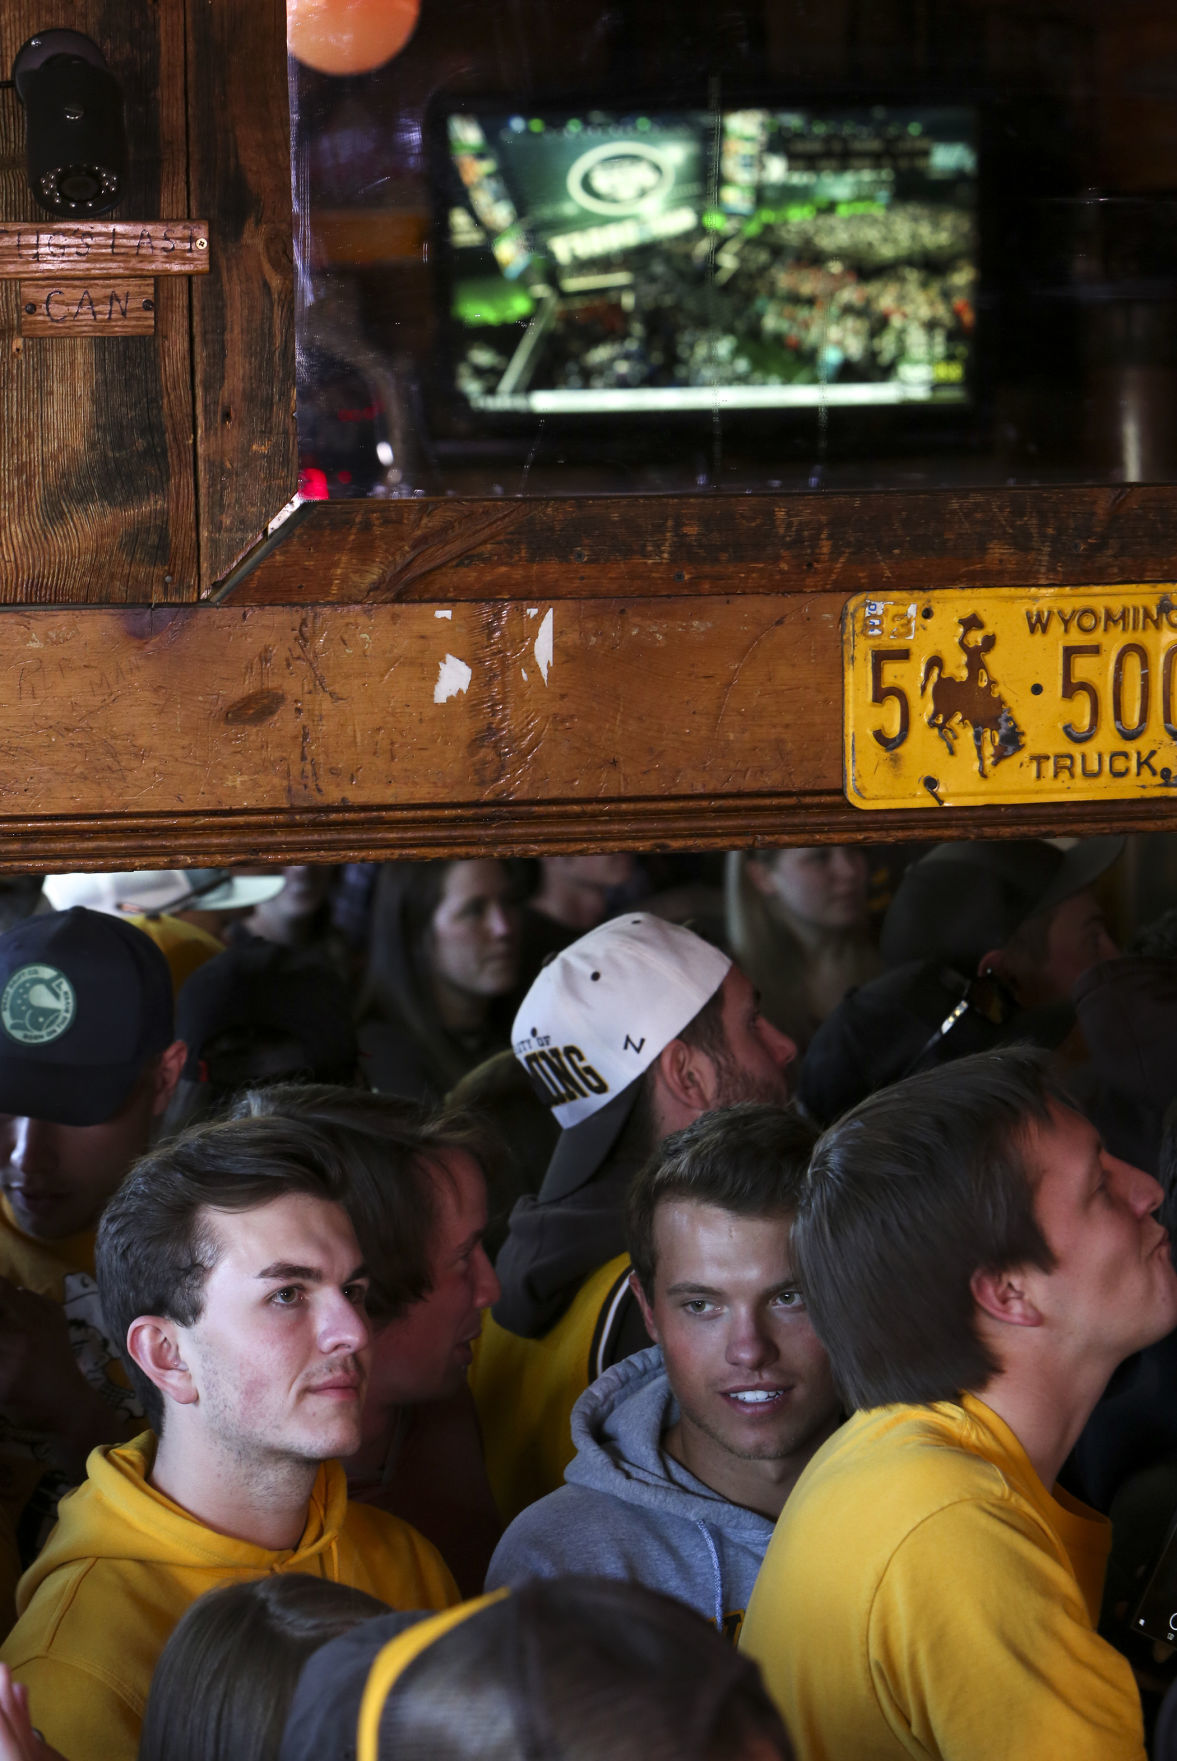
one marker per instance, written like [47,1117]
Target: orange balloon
[348,36]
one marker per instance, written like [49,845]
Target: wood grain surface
[80,251]
[97,495]
[243,311]
[637,546]
[185,733]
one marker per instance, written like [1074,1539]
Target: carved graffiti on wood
[82,251]
[87,308]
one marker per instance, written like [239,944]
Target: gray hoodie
[628,1510]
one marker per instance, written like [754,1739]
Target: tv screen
[753,258]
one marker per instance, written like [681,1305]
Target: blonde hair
[765,947]
[765,944]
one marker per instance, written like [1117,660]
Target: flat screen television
[761,258]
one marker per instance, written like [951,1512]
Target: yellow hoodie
[123,1564]
[64,1271]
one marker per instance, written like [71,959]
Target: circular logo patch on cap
[38,1005]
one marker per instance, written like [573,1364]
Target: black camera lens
[76,139]
[79,183]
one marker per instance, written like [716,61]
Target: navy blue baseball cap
[85,1001]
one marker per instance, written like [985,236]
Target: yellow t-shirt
[123,1564]
[183,945]
[525,1390]
[923,1594]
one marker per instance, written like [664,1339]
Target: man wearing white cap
[185,911]
[209,896]
[629,1034]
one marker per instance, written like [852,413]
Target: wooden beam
[279,707]
[349,552]
[180,735]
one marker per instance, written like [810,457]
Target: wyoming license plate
[957,698]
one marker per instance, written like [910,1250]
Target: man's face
[57,1178]
[424,1354]
[1113,1283]
[474,933]
[750,1375]
[279,1357]
[1076,938]
[755,1063]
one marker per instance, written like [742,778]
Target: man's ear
[689,1077]
[998,962]
[153,1344]
[167,1074]
[643,1303]
[1004,1297]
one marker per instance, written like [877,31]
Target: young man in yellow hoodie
[229,1266]
[977,1265]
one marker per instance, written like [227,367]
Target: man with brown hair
[228,1264]
[687,1451]
[629,1034]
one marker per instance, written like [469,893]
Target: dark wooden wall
[693,698]
[138,469]
[97,467]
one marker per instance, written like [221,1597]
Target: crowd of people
[611,1306]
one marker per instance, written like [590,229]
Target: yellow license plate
[956,698]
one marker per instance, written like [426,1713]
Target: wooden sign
[89,250]
[87,308]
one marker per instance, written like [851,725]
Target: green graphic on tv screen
[749,259]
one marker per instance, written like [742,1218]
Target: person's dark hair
[640,1135]
[396,1150]
[238,1058]
[155,1244]
[749,1159]
[499,1092]
[579,1669]
[398,983]
[919,1187]
[225,1679]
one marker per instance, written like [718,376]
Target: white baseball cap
[162,889]
[594,1021]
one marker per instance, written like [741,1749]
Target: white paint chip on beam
[543,644]
[453,678]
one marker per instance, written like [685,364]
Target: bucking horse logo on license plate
[973,700]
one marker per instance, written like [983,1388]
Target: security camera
[77,144]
